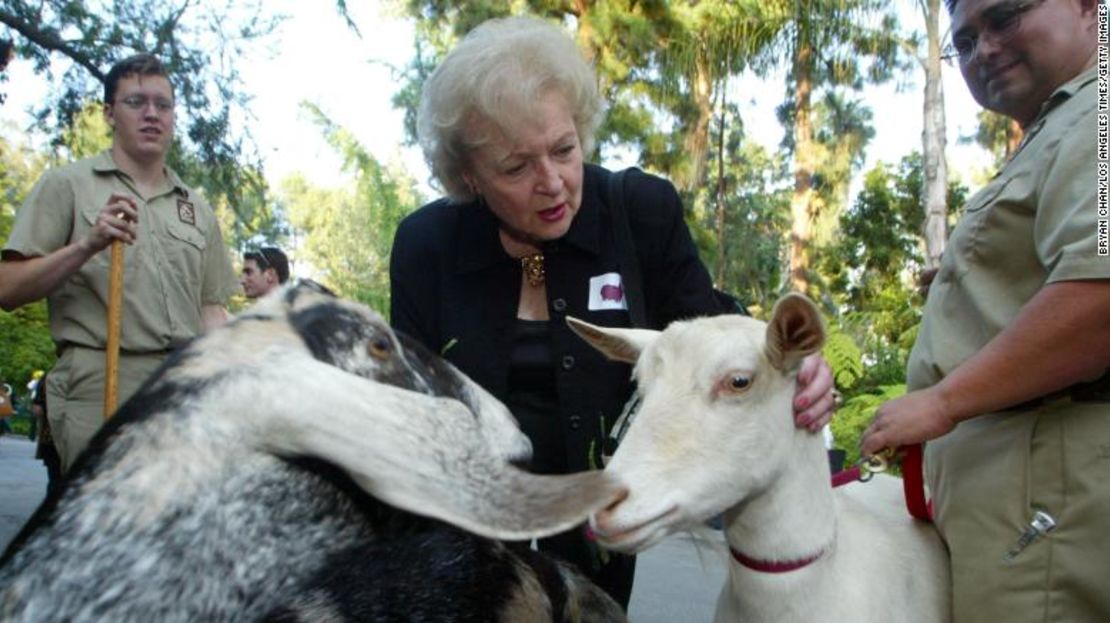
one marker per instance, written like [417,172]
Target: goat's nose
[603,518]
[621,495]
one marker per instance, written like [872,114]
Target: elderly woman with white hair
[487,275]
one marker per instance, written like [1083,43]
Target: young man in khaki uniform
[177,274]
[1009,373]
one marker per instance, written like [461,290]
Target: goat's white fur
[697,448]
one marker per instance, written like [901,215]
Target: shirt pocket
[996,225]
[185,250]
[988,194]
[100,262]
[191,236]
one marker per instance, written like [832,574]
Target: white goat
[715,433]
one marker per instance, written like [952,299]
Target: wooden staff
[115,315]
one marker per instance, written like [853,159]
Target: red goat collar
[765,566]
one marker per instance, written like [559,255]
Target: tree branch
[165,31]
[50,40]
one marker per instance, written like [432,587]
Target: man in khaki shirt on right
[177,273]
[1008,377]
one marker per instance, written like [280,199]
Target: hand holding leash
[911,419]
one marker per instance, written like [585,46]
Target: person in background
[263,270]
[1008,378]
[7,407]
[45,450]
[488,275]
[177,274]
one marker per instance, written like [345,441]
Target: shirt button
[575,422]
[568,362]
[559,305]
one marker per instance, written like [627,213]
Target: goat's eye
[735,383]
[380,348]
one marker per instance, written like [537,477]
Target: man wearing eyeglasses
[1008,377]
[177,273]
[263,270]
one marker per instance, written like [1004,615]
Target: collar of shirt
[103,164]
[1062,94]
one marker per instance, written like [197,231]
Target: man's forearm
[1061,337]
[213,316]
[25,280]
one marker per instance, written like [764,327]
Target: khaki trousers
[75,394]
[989,476]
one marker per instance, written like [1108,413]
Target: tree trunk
[587,38]
[933,145]
[721,204]
[696,143]
[805,165]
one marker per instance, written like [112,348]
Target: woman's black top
[532,396]
[456,290]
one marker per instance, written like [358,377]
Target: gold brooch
[533,268]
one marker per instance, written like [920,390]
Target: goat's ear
[617,344]
[796,329]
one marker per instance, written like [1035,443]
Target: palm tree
[825,42]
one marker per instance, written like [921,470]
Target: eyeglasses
[140,102]
[1001,22]
[260,259]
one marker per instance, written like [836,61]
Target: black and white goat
[298,464]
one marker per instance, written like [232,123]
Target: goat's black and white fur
[260,475]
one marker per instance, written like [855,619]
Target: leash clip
[875,464]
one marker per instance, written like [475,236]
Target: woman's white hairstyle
[494,78]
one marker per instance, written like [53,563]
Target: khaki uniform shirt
[177,264]
[1032,225]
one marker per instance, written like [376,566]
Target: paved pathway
[22,484]
[677,581]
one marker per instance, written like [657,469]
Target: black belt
[1097,390]
[123,351]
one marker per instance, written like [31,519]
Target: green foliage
[20,167]
[873,266]
[738,218]
[998,134]
[856,413]
[25,344]
[346,234]
[844,357]
[21,424]
[870,275]
[89,133]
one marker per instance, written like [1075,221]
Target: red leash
[913,481]
[845,476]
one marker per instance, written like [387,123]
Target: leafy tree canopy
[346,234]
[25,344]
[73,43]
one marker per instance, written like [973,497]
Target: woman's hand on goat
[916,417]
[814,398]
